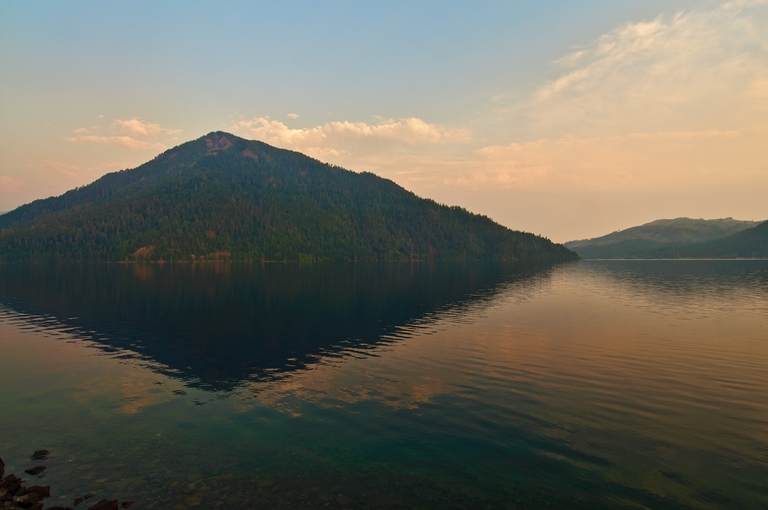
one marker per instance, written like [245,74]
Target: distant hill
[223,197]
[653,240]
[749,243]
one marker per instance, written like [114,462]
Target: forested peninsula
[222,197]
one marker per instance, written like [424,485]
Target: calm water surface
[611,384]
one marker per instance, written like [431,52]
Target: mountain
[660,236]
[223,197]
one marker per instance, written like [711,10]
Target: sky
[567,119]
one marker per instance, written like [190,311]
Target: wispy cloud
[9,184]
[687,71]
[670,161]
[125,142]
[139,128]
[133,133]
[74,172]
[672,103]
[740,4]
[666,103]
[86,130]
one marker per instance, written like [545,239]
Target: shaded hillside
[225,197]
[650,239]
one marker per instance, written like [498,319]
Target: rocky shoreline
[15,494]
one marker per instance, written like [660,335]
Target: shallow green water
[587,385]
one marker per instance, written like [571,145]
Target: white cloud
[293,115]
[337,135]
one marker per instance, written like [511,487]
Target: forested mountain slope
[224,197]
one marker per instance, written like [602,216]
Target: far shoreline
[681,259]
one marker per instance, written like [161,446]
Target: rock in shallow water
[27,500]
[12,483]
[14,495]
[44,491]
[35,470]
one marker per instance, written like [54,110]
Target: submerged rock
[192,500]
[41,454]
[35,470]
[105,504]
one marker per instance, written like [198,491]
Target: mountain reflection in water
[598,384]
[217,325]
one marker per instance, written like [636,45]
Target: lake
[595,384]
